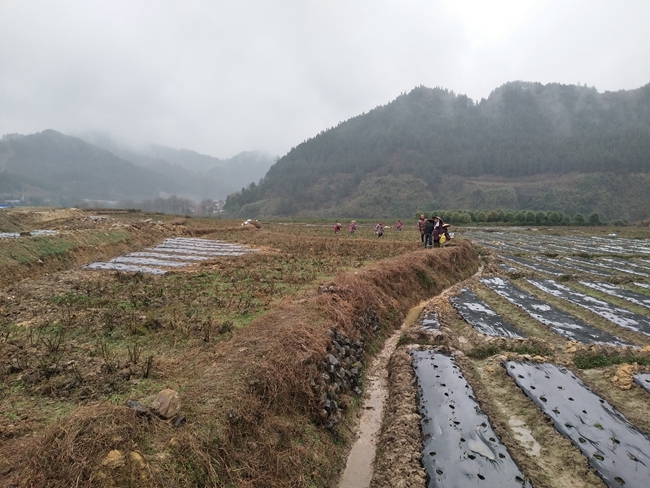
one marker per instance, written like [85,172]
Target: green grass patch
[485,352]
[590,360]
[28,250]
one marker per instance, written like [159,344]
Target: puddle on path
[524,436]
[358,470]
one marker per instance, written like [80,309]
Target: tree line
[521,217]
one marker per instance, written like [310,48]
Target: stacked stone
[340,372]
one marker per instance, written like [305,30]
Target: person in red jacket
[337,228]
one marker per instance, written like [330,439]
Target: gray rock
[167,404]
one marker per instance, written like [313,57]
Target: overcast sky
[224,76]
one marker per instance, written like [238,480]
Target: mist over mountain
[199,175]
[527,146]
[50,167]
[55,169]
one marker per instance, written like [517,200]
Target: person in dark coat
[438,230]
[428,230]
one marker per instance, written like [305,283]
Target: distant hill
[527,146]
[50,167]
[199,175]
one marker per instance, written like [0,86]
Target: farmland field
[266,336]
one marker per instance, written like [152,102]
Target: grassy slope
[246,391]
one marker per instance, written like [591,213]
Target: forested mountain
[528,145]
[198,175]
[49,167]
[56,169]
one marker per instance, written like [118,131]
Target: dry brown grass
[250,401]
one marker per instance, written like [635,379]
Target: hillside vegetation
[527,146]
[56,169]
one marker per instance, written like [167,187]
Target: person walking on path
[379,229]
[428,230]
[438,230]
[399,225]
[422,223]
[353,227]
[337,228]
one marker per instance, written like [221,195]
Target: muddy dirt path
[358,471]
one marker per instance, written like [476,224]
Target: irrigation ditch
[434,368]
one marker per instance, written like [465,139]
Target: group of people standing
[379,228]
[431,230]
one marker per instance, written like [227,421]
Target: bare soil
[244,341]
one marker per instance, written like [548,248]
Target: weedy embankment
[251,404]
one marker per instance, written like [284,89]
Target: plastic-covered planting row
[14,235]
[574,266]
[430,321]
[641,268]
[171,253]
[202,244]
[608,266]
[560,322]
[194,252]
[507,268]
[479,315]
[148,262]
[617,315]
[125,268]
[619,292]
[643,285]
[643,380]
[564,244]
[160,255]
[618,452]
[532,265]
[460,448]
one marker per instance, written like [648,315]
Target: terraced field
[529,364]
[551,340]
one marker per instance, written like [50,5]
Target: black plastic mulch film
[620,292]
[643,380]
[430,321]
[562,323]
[537,266]
[572,268]
[618,452]
[460,447]
[619,316]
[479,315]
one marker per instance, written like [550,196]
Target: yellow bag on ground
[443,238]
